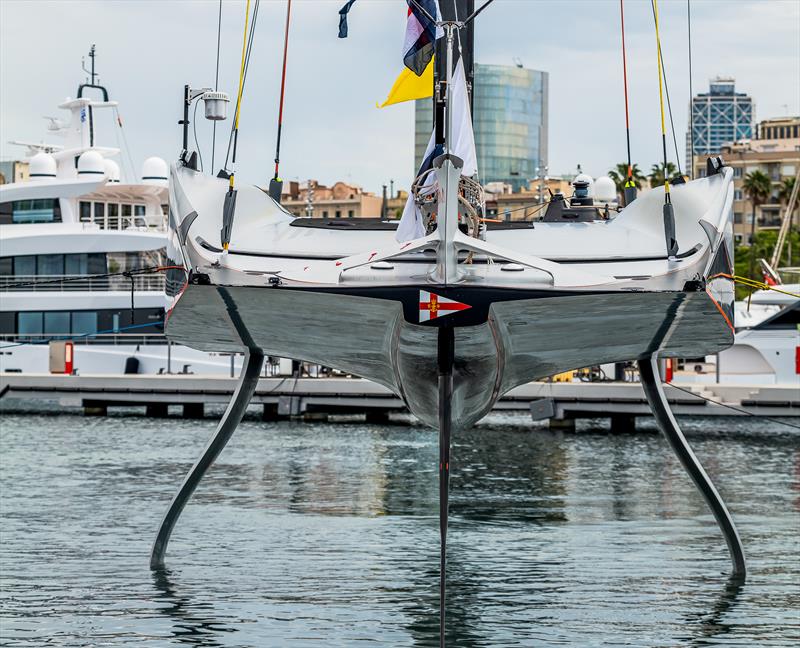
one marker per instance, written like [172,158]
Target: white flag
[463,145]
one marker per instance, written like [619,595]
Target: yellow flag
[409,86]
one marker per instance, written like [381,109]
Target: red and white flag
[432,306]
[421,33]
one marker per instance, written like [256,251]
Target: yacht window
[138,216]
[6,265]
[7,323]
[100,214]
[125,221]
[84,322]
[96,263]
[113,216]
[85,212]
[25,265]
[42,210]
[50,264]
[76,264]
[56,322]
[29,323]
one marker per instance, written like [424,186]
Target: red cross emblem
[432,306]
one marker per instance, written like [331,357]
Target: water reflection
[711,624]
[193,621]
[327,534]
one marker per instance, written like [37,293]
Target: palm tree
[657,174]
[619,174]
[757,187]
[785,190]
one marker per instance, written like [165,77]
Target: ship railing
[150,282]
[86,338]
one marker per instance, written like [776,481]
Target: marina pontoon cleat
[453,319]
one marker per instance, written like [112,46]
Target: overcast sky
[147,50]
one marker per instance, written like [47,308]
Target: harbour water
[327,534]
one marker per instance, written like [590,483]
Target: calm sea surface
[326,535]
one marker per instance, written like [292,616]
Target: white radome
[42,166]
[605,190]
[155,171]
[91,163]
[112,170]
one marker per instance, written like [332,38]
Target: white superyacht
[69,233]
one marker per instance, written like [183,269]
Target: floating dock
[290,397]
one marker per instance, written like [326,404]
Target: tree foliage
[657,174]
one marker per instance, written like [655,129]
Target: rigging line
[244,81]
[691,94]
[283,86]
[653,3]
[735,409]
[127,146]
[669,107]
[216,87]
[239,94]
[194,129]
[477,12]
[629,182]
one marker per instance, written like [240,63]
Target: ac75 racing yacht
[446,313]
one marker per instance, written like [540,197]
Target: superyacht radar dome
[91,163]
[112,170]
[42,167]
[155,171]
[605,191]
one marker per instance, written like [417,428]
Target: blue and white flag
[421,33]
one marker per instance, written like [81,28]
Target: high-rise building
[720,116]
[510,123]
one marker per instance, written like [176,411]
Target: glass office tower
[720,116]
[510,123]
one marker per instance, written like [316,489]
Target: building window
[338,214]
[738,218]
[325,214]
[350,213]
[737,172]
[737,194]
